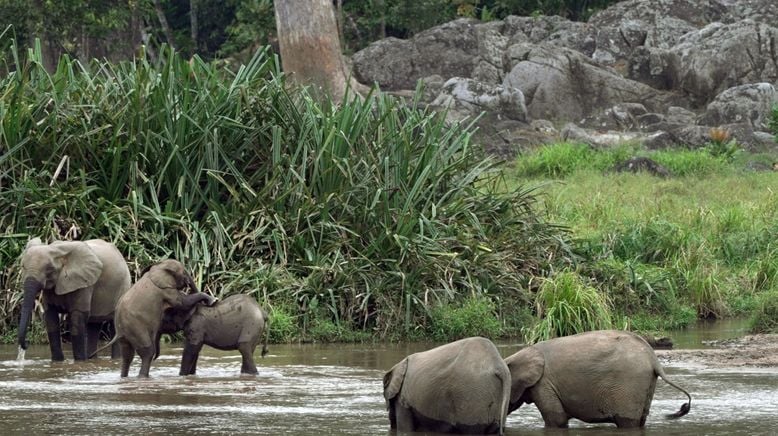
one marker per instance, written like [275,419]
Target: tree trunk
[339,20]
[309,45]
[163,22]
[193,8]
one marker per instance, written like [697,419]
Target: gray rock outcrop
[660,71]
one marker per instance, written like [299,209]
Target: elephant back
[113,282]
[466,379]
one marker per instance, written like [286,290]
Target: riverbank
[748,351]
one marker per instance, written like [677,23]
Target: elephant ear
[34,242]
[80,266]
[526,368]
[393,380]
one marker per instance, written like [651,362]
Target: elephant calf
[235,323]
[461,387]
[140,310]
[598,376]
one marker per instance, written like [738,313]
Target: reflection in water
[313,390]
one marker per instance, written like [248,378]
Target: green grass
[701,241]
[765,317]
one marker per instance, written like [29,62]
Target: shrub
[473,317]
[566,305]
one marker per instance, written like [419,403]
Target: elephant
[597,376]
[83,279]
[235,323]
[140,311]
[460,387]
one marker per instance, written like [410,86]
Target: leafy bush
[473,317]
[566,305]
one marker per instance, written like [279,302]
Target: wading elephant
[461,387]
[83,279]
[598,376]
[140,311]
[235,323]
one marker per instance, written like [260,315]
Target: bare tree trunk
[339,18]
[309,45]
[193,8]
[163,22]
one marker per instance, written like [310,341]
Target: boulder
[627,25]
[752,104]
[563,84]
[468,98]
[388,62]
[720,56]
[641,164]
[762,11]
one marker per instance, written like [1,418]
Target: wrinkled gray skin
[599,376]
[140,310]
[235,323]
[83,279]
[461,387]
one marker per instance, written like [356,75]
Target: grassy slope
[664,249]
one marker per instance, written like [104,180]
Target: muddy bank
[747,351]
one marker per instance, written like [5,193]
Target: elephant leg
[551,408]
[627,422]
[146,356]
[92,335]
[128,353]
[247,352]
[404,419]
[78,334]
[51,319]
[189,358]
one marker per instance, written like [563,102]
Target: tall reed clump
[566,305]
[363,214]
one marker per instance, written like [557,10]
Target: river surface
[316,390]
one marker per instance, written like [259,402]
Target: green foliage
[773,121]
[283,325]
[567,305]
[765,320]
[362,214]
[473,317]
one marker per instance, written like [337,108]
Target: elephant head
[526,368]
[170,274]
[61,267]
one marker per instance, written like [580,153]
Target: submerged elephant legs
[51,318]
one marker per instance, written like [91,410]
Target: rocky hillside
[662,72]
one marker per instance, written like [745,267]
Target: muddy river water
[318,390]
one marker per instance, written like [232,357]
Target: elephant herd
[90,282]
[467,387]
[461,387]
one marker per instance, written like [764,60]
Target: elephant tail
[686,406]
[267,333]
[113,341]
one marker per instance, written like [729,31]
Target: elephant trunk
[191,284]
[31,288]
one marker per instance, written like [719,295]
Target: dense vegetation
[226,28]
[366,218]
[662,252]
